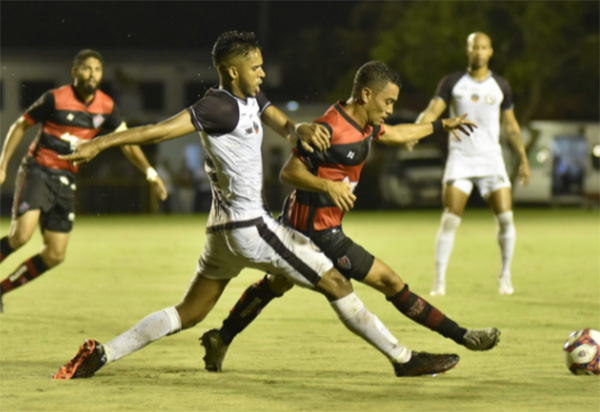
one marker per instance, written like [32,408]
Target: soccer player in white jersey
[477,159]
[240,233]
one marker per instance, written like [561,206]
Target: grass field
[297,356]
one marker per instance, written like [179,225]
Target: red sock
[419,310]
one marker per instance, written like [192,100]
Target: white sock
[507,236]
[444,243]
[356,317]
[149,329]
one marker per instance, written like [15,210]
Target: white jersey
[232,135]
[480,153]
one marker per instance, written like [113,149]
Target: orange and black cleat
[89,359]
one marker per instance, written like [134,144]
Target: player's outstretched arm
[513,132]
[432,112]
[174,127]
[13,138]
[309,134]
[296,174]
[403,133]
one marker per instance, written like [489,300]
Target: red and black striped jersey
[60,111]
[344,160]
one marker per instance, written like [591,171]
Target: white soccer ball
[582,352]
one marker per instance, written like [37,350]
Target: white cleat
[439,288]
[505,286]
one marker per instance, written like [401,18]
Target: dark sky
[156,24]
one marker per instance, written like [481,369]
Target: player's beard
[88,88]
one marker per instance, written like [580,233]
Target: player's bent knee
[53,259]
[334,285]
[18,239]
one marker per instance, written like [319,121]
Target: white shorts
[263,244]
[486,185]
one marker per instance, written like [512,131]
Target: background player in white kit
[477,159]
[240,233]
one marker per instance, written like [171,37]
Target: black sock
[5,248]
[27,271]
[419,310]
[247,308]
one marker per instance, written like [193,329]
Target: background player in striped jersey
[240,232]
[45,185]
[324,183]
[477,159]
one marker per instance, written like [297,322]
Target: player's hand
[315,135]
[160,189]
[341,194]
[84,153]
[524,172]
[410,145]
[459,123]
[2,176]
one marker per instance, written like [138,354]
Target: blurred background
[157,62]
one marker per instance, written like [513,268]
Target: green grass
[297,356]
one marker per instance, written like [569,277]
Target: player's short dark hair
[374,75]
[233,43]
[85,54]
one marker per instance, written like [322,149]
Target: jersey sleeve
[263,102]
[41,110]
[378,131]
[507,101]
[113,120]
[444,88]
[215,114]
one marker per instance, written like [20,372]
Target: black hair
[233,43]
[374,75]
[85,54]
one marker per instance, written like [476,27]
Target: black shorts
[352,260]
[53,193]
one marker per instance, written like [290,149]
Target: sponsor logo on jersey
[344,263]
[475,97]
[97,120]
[490,99]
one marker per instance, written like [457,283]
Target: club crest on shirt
[475,97]
[344,263]
[490,99]
[256,127]
[23,207]
[97,120]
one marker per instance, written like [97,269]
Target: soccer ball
[582,352]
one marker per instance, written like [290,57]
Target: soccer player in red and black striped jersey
[324,183]
[45,184]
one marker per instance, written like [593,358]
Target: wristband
[151,175]
[438,125]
